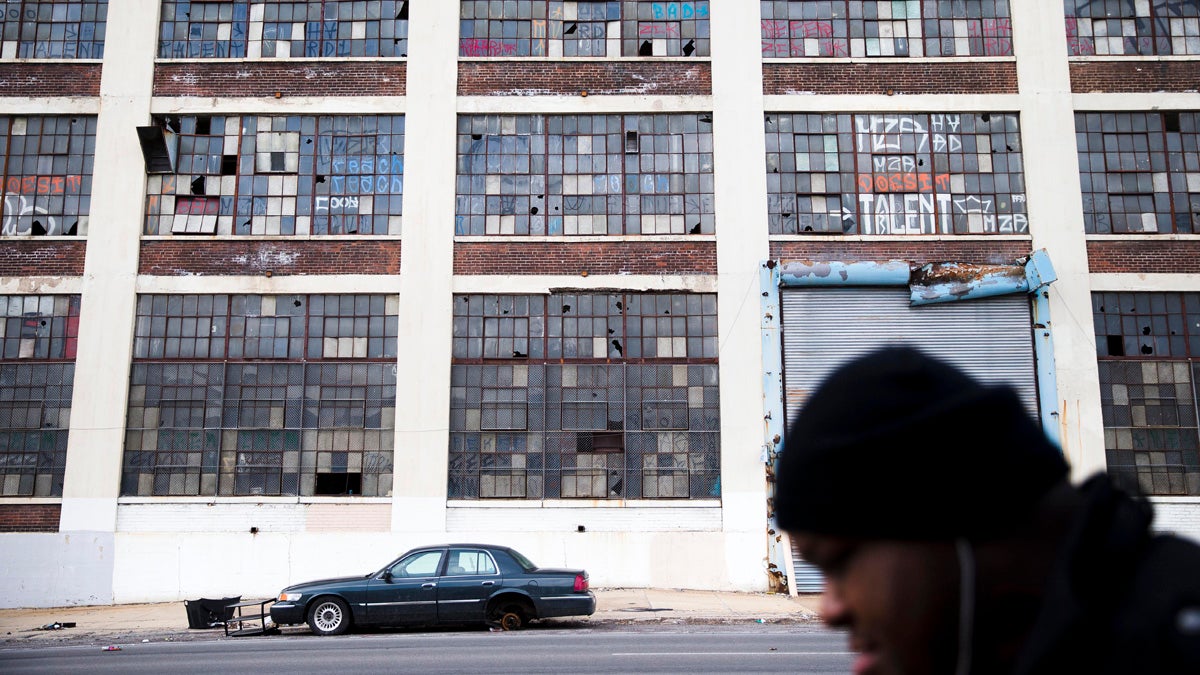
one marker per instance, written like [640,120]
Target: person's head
[895,471]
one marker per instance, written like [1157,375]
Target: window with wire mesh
[895,174]
[1125,27]
[262,395]
[46,164]
[1148,344]
[599,396]
[64,29]
[1139,171]
[864,28]
[568,175]
[280,175]
[281,30]
[38,340]
[583,28]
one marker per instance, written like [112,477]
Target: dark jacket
[1122,599]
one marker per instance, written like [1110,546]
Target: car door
[406,592]
[471,577]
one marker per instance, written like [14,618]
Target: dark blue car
[453,583]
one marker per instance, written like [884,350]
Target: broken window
[1140,171]
[64,29]
[615,396]
[46,167]
[895,174]
[865,28]
[587,28]
[568,175]
[38,338]
[1148,376]
[280,175]
[243,395]
[1148,28]
[258,29]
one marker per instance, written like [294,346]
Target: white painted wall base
[169,567]
[56,570]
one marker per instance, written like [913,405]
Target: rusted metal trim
[950,281]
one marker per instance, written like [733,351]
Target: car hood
[322,583]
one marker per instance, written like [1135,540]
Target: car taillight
[581,582]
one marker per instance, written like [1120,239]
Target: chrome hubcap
[328,616]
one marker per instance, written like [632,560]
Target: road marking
[768,653]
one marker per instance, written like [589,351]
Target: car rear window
[524,562]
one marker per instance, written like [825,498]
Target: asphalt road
[741,649]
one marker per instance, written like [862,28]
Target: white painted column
[426,269]
[1056,222]
[739,147]
[96,445]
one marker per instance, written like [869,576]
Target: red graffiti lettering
[1081,46]
[997,47]
[773,29]
[990,28]
[812,29]
[197,206]
[486,48]
[903,182]
[833,48]
[653,30]
[43,185]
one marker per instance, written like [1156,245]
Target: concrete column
[97,437]
[1056,222]
[739,147]
[423,378]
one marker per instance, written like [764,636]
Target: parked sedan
[455,583]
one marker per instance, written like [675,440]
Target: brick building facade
[277,282]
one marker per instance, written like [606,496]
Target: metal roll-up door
[990,339]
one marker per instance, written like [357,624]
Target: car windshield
[524,562]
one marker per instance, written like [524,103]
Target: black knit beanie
[899,445]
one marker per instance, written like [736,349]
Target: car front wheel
[329,616]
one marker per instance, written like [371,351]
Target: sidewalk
[126,624]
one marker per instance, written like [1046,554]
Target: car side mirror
[387,576]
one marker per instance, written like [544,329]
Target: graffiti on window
[895,174]
[585,175]
[46,173]
[66,29]
[257,29]
[586,28]
[281,175]
[863,28]
[1141,27]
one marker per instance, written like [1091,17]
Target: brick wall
[225,257]
[38,257]
[1001,252]
[49,79]
[1146,257]
[988,77]
[29,517]
[618,257]
[1134,76]
[529,78]
[357,78]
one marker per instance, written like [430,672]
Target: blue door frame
[931,283]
